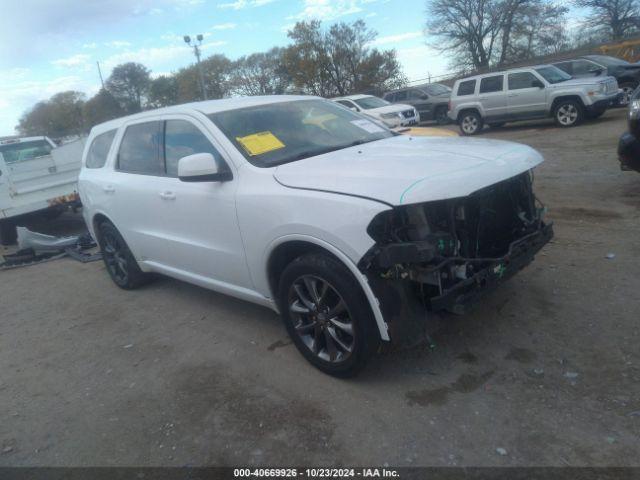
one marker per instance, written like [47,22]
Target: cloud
[117,44]
[329,9]
[73,61]
[242,4]
[34,26]
[396,38]
[224,26]
[158,58]
[90,46]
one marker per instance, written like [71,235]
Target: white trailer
[36,175]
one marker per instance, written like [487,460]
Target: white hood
[404,169]
[394,108]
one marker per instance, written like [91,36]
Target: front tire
[470,123]
[327,315]
[568,113]
[627,90]
[120,262]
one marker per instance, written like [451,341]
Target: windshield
[371,102]
[553,74]
[436,89]
[269,135]
[21,151]
[607,61]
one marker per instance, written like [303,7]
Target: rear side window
[521,80]
[468,87]
[99,149]
[182,138]
[140,149]
[491,84]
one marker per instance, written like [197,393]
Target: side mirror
[537,84]
[201,167]
[354,108]
[424,96]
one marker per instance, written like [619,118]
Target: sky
[48,46]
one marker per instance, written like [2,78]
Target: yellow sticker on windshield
[260,143]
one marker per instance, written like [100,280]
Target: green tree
[58,117]
[101,108]
[129,85]
[260,74]
[340,60]
[217,71]
[163,91]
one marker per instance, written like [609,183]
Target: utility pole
[100,73]
[196,51]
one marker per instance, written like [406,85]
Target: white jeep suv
[355,234]
[528,93]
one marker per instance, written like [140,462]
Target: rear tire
[120,262]
[327,315]
[470,123]
[568,113]
[440,116]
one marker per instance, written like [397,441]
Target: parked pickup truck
[36,175]
[528,93]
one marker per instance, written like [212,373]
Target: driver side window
[182,138]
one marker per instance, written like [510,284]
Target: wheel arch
[465,110]
[286,249]
[561,98]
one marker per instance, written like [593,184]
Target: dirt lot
[547,368]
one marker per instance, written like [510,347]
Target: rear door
[524,98]
[493,97]
[132,190]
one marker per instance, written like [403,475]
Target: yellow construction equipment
[628,50]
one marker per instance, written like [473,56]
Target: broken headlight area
[442,255]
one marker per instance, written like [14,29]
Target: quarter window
[140,149]
[182,138]
[97,154]
[491,84]
[467,87]
[518,81]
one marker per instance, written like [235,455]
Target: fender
[360,278]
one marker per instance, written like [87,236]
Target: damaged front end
[440,256]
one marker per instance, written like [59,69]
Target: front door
[201,225]
[420,101]
[525,98]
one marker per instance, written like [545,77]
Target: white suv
[528,93]
[352,232]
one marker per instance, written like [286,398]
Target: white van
[35,175]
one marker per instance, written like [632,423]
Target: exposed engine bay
[442,255]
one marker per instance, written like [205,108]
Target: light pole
[196,51]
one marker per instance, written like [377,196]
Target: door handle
[109,189]
[168,196]
[513,95]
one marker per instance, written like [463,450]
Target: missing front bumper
[458,298]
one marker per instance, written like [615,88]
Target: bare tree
[468,28]
[260,74]
[617,18]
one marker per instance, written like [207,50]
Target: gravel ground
[546,371]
